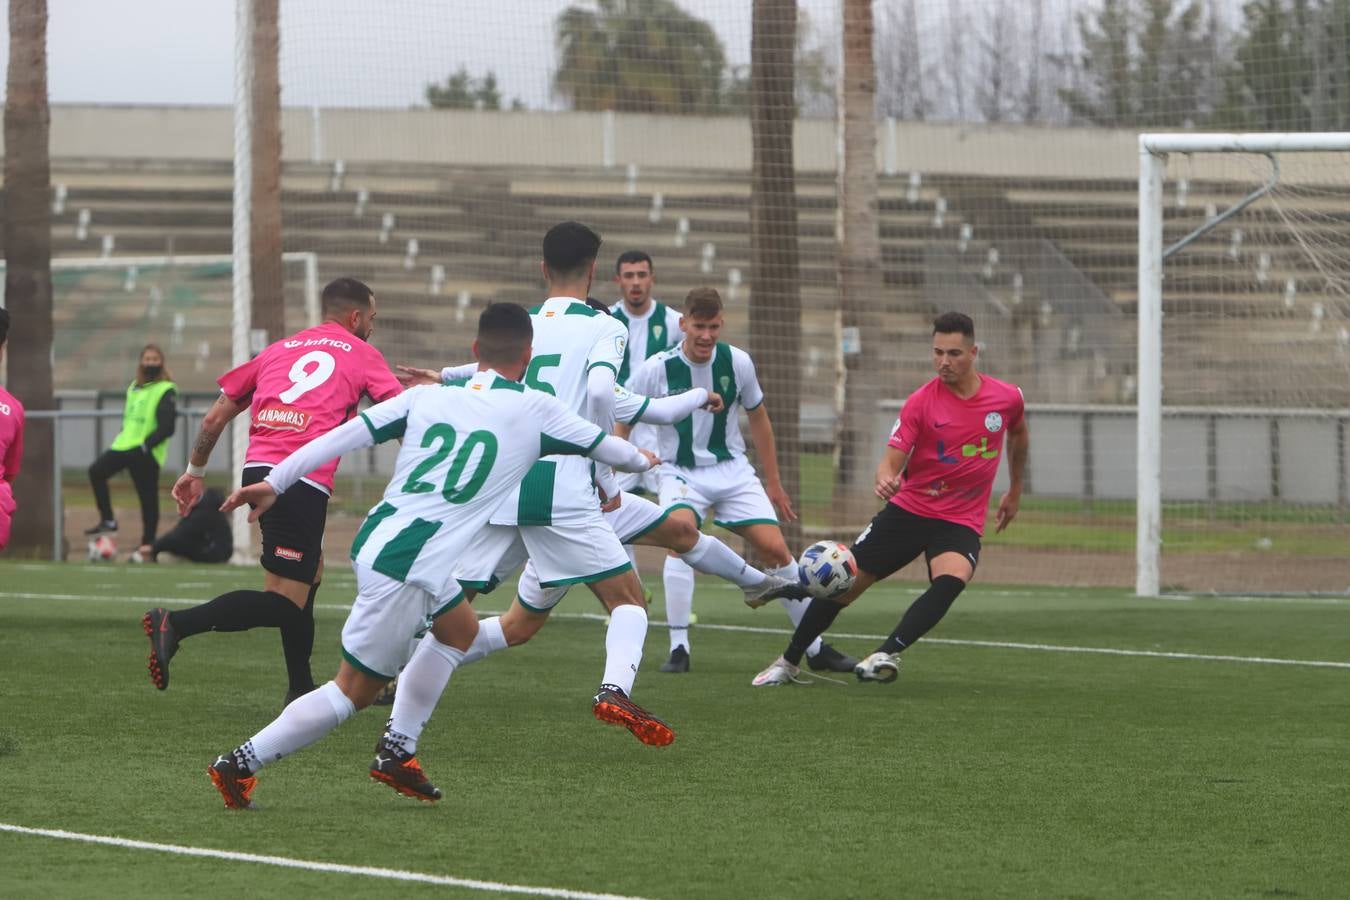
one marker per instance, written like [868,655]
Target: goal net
[1250,234]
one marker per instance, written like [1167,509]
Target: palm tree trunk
[28,267]
[860,277]
[268,279]
[775,301]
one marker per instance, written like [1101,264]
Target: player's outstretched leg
[926,611]
[163,644]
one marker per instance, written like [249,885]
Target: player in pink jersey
[936,476]
[11,443]
[296,389]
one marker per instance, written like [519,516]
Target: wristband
[195,471]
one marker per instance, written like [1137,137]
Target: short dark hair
[954,323]
[631,257]
[504,332]
[4,325]
[343,294]
[703,303]
[569,249]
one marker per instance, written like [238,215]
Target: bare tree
[900,63]
[996,86]
[954,63]
[860,279]
[775,300]
[267,277]
[28,266]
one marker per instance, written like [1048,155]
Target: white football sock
[489,639]
[713,557]
[623,645]
[300,724]
[795,608]
[679,583]
[423,681]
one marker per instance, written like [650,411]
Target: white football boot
[882,667]
[779,672]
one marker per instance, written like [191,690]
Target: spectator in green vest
[147,424]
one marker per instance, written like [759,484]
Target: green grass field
[984,771]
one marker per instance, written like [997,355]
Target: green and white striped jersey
[465,447]
[570,339]
[703,438]
[648,335]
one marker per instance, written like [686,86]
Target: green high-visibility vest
[138,419]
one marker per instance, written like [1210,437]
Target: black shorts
[897,536]
[292,530]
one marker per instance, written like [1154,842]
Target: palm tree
[28,265]
[775,296]
[267,278]
[860,278]
[638,56]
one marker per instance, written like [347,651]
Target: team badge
[725,381]
[656,331]
[993,422]
[619,344]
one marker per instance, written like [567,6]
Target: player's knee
[683,536]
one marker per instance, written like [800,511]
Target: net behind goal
[1245,325]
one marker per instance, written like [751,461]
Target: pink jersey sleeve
[11,435]
[380,382]
[906,432]
[239,383]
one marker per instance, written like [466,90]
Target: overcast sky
[334,52]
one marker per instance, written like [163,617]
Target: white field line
[310,865]
[751,629]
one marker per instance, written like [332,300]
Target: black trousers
[144,475]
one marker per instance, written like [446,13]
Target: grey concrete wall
[465,137]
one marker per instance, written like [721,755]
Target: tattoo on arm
[208,435]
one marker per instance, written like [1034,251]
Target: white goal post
[1153,152]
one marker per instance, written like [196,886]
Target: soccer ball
[827,569]
[102,548]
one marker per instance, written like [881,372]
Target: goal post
[1154,150]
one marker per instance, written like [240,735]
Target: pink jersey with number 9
[305,386]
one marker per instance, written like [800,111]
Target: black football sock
[297,643]
[924,613]
[820,615]
[235,611]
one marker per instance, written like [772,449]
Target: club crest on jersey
[993,421]
[619,344]
[725,381]
[282,418]
[656,331]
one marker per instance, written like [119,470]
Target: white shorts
[387,615]
[730,488]
[648,482]
[562,554]
[635,517]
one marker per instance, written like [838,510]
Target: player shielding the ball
[936,478]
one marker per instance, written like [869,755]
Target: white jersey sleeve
[609,345]
[458,373]
[561,431]
[747,382]
[669,410]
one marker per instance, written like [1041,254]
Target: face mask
[152,372]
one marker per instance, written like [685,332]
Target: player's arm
[411,376]
[761,435]
[669,410]
[14,452]
[888,472]
[563,431]
[187,490]
[1019,446]
[600,410]
[381,422]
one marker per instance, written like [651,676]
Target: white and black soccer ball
[827,569]
[102,548]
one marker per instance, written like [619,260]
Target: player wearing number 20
[296,390]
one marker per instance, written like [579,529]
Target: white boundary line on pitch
[310,865]
[751,629]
